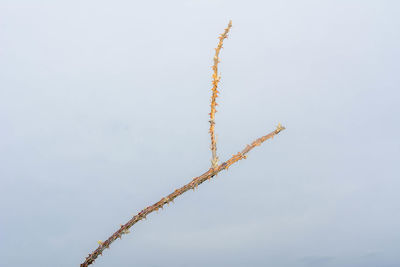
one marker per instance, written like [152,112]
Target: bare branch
[214,170]
[215,81]
[124,229]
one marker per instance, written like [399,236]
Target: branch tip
[279,128]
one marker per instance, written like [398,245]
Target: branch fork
[210,173]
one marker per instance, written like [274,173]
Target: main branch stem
[191,185]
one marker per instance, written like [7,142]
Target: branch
[216,79]
[124,229]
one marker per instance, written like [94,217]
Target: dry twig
[215,81]
[214,170]
[191,185]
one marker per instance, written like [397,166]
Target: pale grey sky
[104,109]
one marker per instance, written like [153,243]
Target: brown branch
[214,170]
[216,79]
[124,229]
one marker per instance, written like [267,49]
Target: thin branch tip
[280,128]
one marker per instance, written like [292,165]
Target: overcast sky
[104,109]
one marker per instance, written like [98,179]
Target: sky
[104,110]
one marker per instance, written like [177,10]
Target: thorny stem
[215,81]
[124,229]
